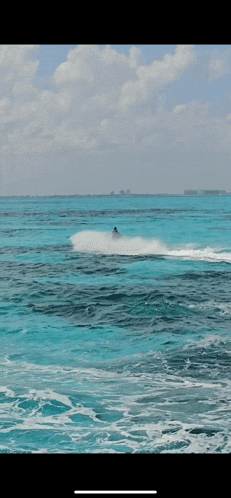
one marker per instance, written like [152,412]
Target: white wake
[103,243]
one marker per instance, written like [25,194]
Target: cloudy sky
[79,119]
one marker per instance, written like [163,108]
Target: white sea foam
[103,243]
[207,254]
[49,395]
[6,391]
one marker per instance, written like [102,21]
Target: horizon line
[117,195]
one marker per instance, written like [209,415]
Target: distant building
[212,192]
[190,192]
[125,192]
[204,192]
[112,192]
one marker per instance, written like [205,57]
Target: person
[115,233]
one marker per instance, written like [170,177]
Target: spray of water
[104,243]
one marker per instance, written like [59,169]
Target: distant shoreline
[108,195]
[87,195]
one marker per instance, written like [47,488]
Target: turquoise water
[115,346]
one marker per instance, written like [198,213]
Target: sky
[89,119]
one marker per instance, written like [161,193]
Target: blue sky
[95,118]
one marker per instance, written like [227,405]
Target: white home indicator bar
[125,492]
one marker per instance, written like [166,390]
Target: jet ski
[115,234]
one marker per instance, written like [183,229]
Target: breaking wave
[91,241]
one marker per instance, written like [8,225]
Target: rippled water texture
[115,345]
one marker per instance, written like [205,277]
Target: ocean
[115,346]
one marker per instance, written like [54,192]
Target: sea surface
[115,346]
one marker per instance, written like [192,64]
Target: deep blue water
[115,345]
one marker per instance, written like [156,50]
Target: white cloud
[17,68]
[93,86]
[219,64]
[81,115]
[88,88]
[179,109]
[96,67]
[150,79]
[134,57]
[77,67]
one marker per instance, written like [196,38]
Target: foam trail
[102,242]
[207,254]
